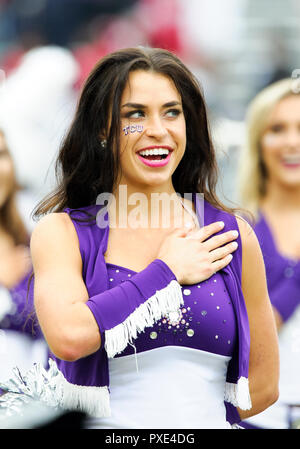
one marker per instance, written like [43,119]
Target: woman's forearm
[115,315]
[262,397]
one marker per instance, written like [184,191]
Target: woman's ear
[103,139]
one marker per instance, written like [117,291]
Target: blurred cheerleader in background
[21,344]
[269,185]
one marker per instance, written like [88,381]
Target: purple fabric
[207,313]
[239,364]
[233,280]
[232,414]
[93,370]
[283,274]
[112,307]
[22,318]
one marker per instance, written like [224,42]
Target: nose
[292,138]
[156,128]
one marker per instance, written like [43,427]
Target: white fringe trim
[92,400]
[51,388]
[166,300]
[238,394]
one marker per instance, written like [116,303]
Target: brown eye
[173,112]
[277,128]
[135,114]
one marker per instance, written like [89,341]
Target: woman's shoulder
[246,230]
[247,238]
[65,219]
[57,233]
[230,217]
[54,226]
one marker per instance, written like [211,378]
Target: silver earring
[103,143]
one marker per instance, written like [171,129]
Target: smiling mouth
[156,154]
[291,161]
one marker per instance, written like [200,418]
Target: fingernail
[221,224]
[235,233]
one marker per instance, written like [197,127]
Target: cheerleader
[270,189]
[21,343]
[151,324]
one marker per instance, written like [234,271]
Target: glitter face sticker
[132,129]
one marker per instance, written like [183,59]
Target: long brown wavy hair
[84,171]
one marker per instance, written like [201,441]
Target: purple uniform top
[149,310]
[283,274]
[134,311]
[206,320]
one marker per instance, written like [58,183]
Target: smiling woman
[270,187]
[102,99]
[122,307]
[151,100]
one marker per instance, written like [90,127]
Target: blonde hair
[251,174]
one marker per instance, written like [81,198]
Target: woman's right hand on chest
[196,256]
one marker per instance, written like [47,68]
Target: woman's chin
[157,182]
[290,182]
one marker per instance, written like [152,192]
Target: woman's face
[6,171]
[280,143]
[152,121]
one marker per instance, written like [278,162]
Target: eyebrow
[142,106]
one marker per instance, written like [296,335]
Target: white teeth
[291,159]
[154,152]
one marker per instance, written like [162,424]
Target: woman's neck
[148,208]
[281,198]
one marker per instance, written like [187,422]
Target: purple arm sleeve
[112,307]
